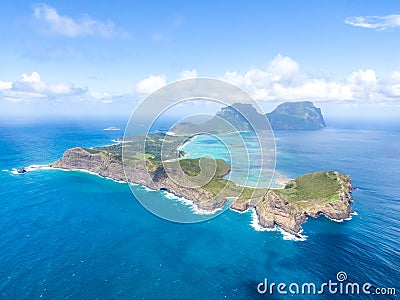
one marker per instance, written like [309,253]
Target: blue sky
[104,57]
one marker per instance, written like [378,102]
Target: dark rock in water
[21,170]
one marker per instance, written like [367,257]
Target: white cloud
[269,84]
[360,76]
[150,84]
[4,85]
[233,77]
[312,89]
[396,75]
[363,84]
[283,81]
[185,74]
[395,84]
[102,97]
[375,22]
[51,22]
[34,77]
[284,67]
[32,88]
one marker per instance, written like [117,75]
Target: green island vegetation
[314,187]
[319,186]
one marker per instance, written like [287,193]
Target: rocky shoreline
[273,208]
[110,166]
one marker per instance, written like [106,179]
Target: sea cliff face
[310,195]
[103,163]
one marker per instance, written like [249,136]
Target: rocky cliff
[150,174]
[310,195]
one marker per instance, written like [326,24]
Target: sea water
[76,235]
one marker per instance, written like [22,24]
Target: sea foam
[255,223]
[193,207]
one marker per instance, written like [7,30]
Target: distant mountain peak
[296,116]
[244,117]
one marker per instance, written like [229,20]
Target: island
[296,116]
[321,193]
[244,117]
[112,128]
[301,115]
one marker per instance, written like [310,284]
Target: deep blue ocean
[72,235]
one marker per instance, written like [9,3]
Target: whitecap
[335,220]
[193,207]
[83,171]
[341,220]
[255,222]
[30,169]
[147,189]
[291,237]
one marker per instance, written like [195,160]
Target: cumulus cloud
[51,22]
[150,84]
[32,88]
[103,97]
[5,85]
[394,87]
[233,77]
[282,81]
[284,67]
[34,77]
[361,76]
[375,22]
[185,74]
